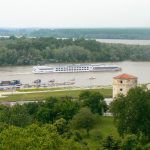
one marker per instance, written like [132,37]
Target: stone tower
[122,84]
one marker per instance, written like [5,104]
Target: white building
[123,83]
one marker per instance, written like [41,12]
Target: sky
[74,13]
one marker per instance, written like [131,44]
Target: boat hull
[75,69]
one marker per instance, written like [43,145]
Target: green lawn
[44,95]
[38,89]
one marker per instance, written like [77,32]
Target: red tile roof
[125,76]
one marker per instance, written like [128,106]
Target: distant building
[123,83]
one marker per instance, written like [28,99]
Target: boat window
[104,67]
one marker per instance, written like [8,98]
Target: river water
[125,41]
[24,73]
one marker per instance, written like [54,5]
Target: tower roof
[125,76]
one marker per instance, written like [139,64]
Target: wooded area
[68,124]
[34,51]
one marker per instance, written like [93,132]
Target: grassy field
[104,127]
[43,95]
[38,89]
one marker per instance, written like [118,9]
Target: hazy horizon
[54,28]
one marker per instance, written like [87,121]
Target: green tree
[45,115]
[84,119]
[35,137]
[56,108]
[72,53]
[61,125]
[146,147]
[66,108]
[46,112]
[32,108]
[16,115]
[130,142]
[111,143]
[94,100]
[131,112]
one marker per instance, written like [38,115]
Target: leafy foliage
[61,123]
[84,119]
[35,137]
[94,100]
[132,112]
[33,51]
[130,142]
[111,143]
[16,115]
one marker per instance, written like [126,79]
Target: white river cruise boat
[76,68]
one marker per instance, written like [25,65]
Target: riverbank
[42,95]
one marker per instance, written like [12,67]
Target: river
[125,41]
[24,73]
